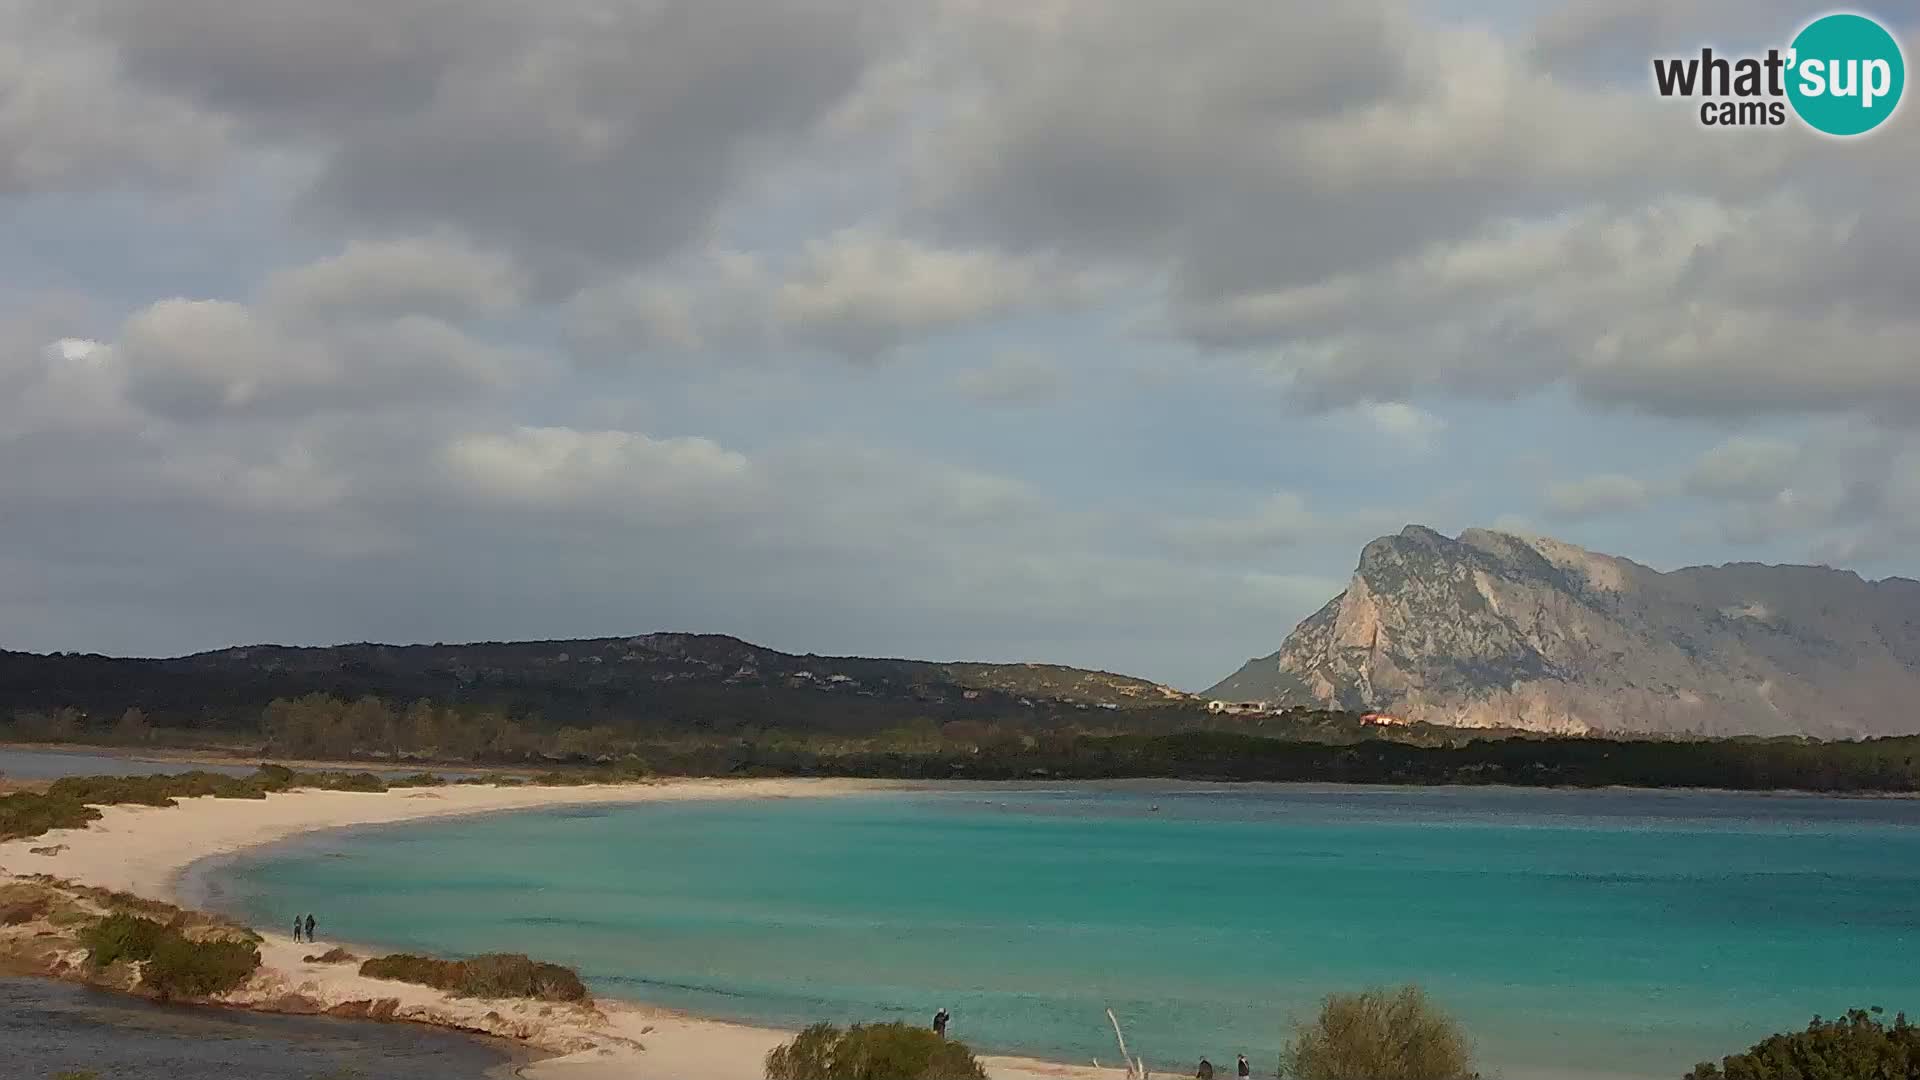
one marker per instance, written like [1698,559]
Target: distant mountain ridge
[672,680]
[1498,630]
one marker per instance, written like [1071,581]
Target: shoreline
[153,852]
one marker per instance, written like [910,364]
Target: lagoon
[1606,933]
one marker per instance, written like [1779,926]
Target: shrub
[1378,1035]
[341,781]
[176,966]
[494,975]
[892,1051]
[183,968]
[419,779]
[1859,1046]
[121,936]
[28,813]
[331,956]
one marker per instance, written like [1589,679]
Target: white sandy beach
[146,850]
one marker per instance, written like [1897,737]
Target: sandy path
[145,850]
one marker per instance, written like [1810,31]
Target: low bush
[1858,1046]
[192,969]
[1378,1035]
[121,936]
[892,1051]
[331,956]
[28,813]
[421,779]
[494,975]
[624,771]
[175,965]
[70,801]
[340,781]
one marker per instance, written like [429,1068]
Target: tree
[423,726]
[1859,1046]
[893,1051]
[1378,1035]
[132,728]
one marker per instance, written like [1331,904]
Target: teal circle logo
[1847,74]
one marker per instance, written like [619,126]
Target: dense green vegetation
[494,975]
[1889,764]
[1378,1035]
[892,1051]
[1006,752]
[28,813]
[1858,1046]
[173,965]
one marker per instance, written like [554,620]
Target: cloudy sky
[1093,331]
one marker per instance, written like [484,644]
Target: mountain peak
[1499,629]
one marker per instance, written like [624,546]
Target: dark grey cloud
[1275,146]
[69,122]
[573,132]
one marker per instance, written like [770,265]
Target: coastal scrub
[1859,1044]
[1378,1035]
[890,1051]
[172,964]
[494,975]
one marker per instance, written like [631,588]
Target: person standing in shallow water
[1205,1071]
[940,1022]
[310,941]
[1241,1069]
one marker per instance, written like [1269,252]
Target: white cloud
[1014,377]
[1411,428]
[72,384]
[192,359]
[622,471]
[1744,467]
[1597,496]
[443,275]
[863,292]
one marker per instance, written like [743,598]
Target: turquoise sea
[1574,933]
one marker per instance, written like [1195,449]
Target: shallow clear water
[54,764]
[1606,932]
[49,1027]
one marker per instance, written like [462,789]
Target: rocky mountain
[1498,630]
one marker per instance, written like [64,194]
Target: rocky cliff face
[1493,629]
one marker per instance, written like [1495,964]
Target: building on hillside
[1377,719]
[1239,708]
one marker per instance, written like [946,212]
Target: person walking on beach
[940,1022]
[310,941]
[1205,1071]
[1242,1069]
[296,928]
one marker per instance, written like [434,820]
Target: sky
[1097,332]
